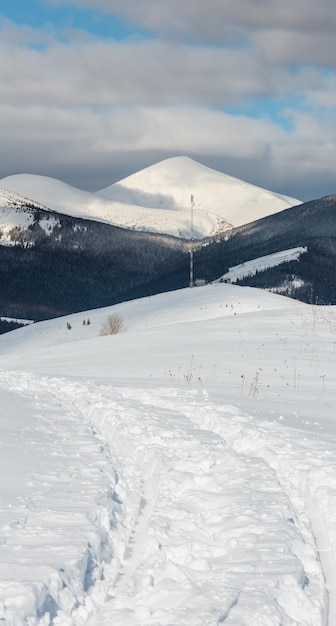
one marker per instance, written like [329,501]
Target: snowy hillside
[16,212]
[158,199]
[60,197]
[181,472]
[170,184]
[249,268]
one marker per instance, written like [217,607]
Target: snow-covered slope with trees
[180,472]
[17,214]
[158,199]
[249,268]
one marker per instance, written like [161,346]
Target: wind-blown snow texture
[158,199]
[182,472]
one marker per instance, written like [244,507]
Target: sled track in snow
[236,437]
[218,512]
[326,556]
[132,554]
[307,478]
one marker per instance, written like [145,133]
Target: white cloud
[104,73]
[288,47]
[71,100]
[213,20]
[56,138]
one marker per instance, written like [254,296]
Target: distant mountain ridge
[158,199]
[312,225]
[53,263]
[59,264]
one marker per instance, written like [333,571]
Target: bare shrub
[113,325]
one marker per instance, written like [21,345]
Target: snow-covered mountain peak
[171,183]
[158,199]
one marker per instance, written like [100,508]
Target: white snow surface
[158,199]
[250,268]
[179,473]
[17,215]
[12,215]
[18,320]
[171,183]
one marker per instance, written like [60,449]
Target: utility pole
[191,278]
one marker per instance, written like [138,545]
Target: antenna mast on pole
[191,277]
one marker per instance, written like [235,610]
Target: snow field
[56,507]
[196,484]
[211,532]
[250,268]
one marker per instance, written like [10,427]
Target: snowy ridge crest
[9,199]
[158,199]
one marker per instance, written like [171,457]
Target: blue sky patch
[37,14]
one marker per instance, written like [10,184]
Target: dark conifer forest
[81,264]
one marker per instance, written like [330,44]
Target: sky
[95,90]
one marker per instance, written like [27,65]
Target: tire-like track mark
[214,507]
